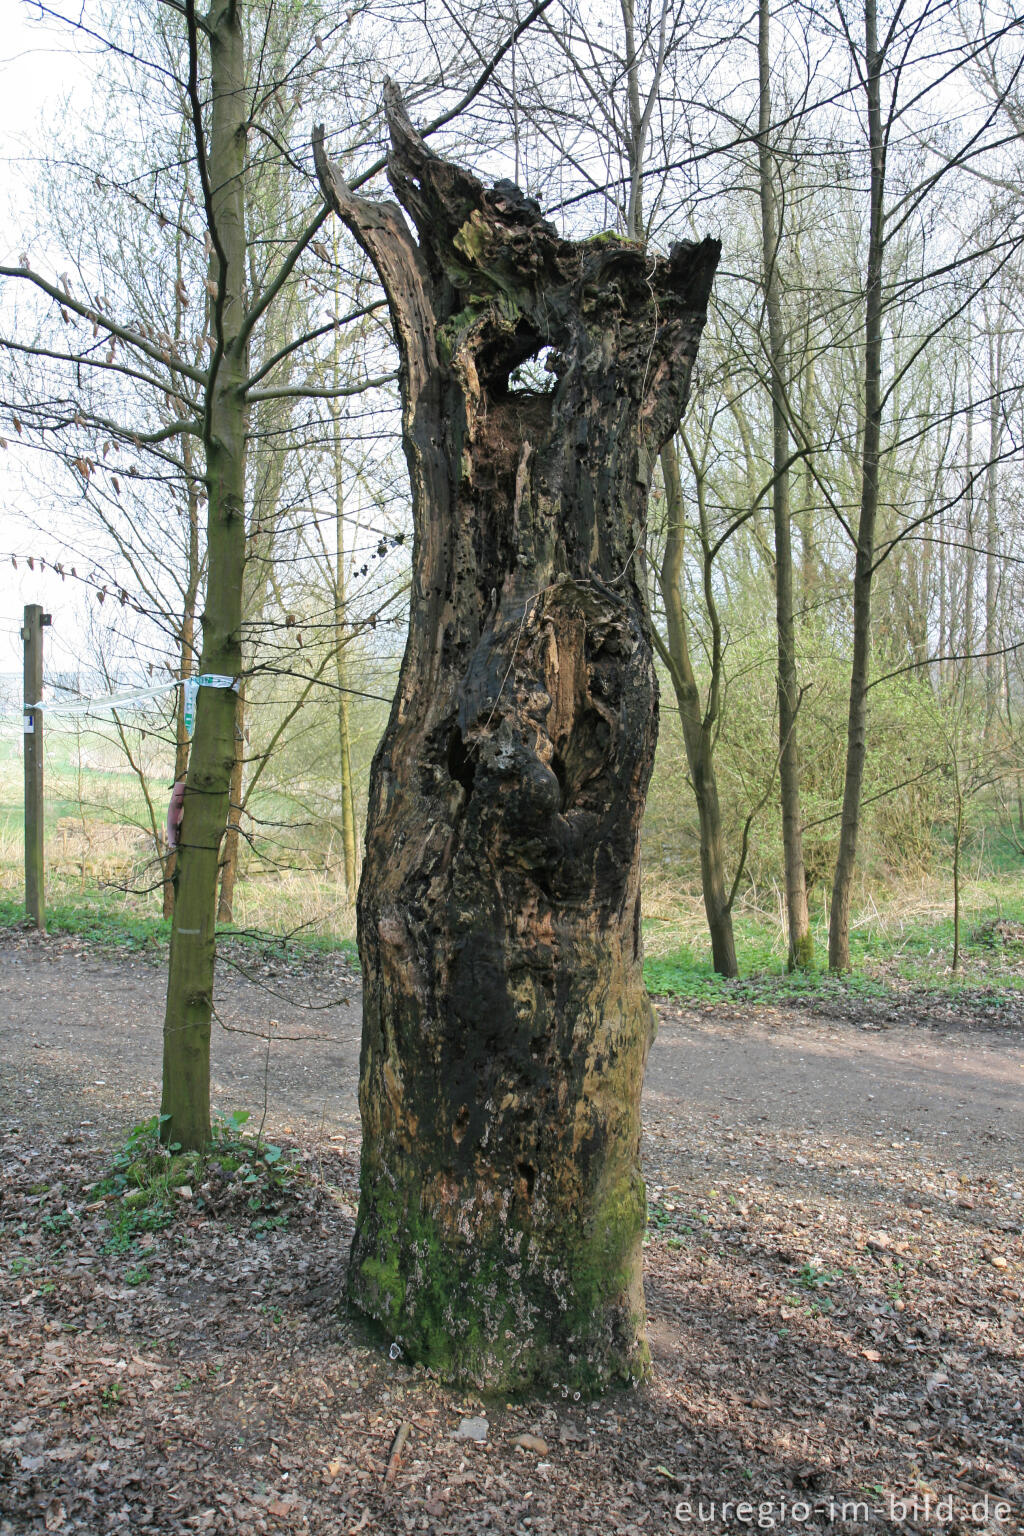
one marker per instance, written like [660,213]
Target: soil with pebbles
[834,1274]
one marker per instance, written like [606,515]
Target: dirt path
[81,1036]
[810,1079]
[89,1025]
[834,1278]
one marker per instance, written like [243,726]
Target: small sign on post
[32,635]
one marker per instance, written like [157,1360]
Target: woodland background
[637,118]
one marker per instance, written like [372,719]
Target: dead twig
[397,1447]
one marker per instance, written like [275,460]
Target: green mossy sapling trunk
[185,1098]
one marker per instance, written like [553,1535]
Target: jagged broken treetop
[490,284]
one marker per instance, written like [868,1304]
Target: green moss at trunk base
[803,953]
[510,1308]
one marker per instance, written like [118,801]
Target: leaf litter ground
[834,1278]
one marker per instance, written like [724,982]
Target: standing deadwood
[505,1025]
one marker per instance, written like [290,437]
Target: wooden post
[32,634]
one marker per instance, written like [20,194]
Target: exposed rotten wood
[505,1022]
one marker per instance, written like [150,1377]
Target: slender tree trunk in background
[229,856]
[181,751]
[966,640]
[348,804]
[922,630]
[992,541]
[954,739]
[505,1024]
[181,748]
[186,1067]
[842,884]
[266,505]
[958,838]
[186,662]
[810,572]
[801,940]
[640,112]
[348,807]
[698,726]
[939,665]
[634,207]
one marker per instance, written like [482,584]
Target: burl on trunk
[505,1025]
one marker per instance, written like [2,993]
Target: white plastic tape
[135,696]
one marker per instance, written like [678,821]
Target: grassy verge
[907,942]
[102,874]
[103,921]
[682,975]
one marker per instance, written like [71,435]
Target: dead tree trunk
[505,1023]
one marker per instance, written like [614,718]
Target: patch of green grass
[144,1174]
[287,948]
[148,1178]
[103,920]
[658,1218]
[886,951]
[56,1221]
[670,1223]
[680,975]
[129,1224]
[269,1223]
[813,1276]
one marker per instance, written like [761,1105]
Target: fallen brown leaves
[827,1319]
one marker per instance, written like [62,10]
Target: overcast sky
[37,76]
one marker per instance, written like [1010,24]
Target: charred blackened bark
[505,1024]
